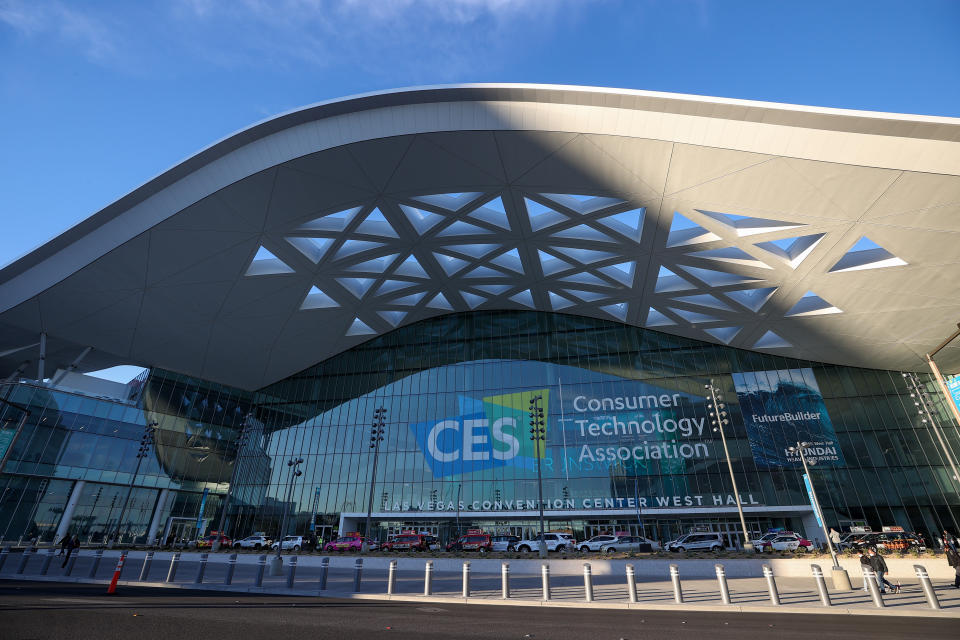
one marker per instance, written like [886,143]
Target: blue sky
[97,97]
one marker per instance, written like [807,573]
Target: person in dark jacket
[64,544]
[72,545]
[864,565]
[953,559]
[879,566]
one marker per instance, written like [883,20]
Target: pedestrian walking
[72,545]
[865,564]
[64,544]
[953,559]
[834,537]
[879,566]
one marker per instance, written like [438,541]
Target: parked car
[407,542]
[554,542]
[885,542]
[594,543]
[697,542]
[504,543]
[350,542]
[207,541]
[788,542]
[759,543]
[628,543]
[252,542]
[289,543]
[477,541]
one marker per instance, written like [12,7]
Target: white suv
[252,542]
[697,542]
[554,541]
[294,543]
[594,543]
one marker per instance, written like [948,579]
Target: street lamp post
[718,418]
[922,401]
[841,581]
[538,433]
[241,441]
[145,441]
[376,437]
[293,464]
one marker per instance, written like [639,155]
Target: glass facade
[629,441]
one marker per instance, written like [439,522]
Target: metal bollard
[392,578]
[174,563]
[466,579]
[428,578]
[261,567]
[291,576]
[97,557]
[927,586]
[25,559]
[675,578]
[147,563]
[545,579]
[231,567]
[202,569]
[871,579]
[631,583]
[324,570]
[722,581]
[357,574]
[821,585]
[505,580]
[46,562]
[72,561]
[587,582]
[3,556]
[771,585]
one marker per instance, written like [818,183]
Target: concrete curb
[513,602]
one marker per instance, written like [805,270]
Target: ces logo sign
[488,433]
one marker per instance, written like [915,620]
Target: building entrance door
[180,532]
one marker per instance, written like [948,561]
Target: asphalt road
[36,611]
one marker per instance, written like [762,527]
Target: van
[697,542]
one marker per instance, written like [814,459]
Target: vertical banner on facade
[813,503]
[203,504]
[781,408]
[316,504]
[954,387]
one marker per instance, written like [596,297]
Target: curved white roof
[816,233]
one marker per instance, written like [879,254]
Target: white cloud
[76,29]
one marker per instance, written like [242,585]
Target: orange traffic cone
[112,589]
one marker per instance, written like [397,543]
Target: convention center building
[449,306]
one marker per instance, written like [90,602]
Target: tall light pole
[293,465]
[718,418]
[841,580]
[921,399]
[240,442]
[145,441]
[376,437]
[538,433]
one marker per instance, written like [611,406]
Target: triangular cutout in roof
[622,272]
[731,255]
[552,264]
[792,251]
[484,272]
[558,302]
[377,265]
[705,300]
[668,281]
[439,302]
[658,319]
[475,251]
[389,286]
[492,213]
[351,247]
[313,248]
[586,296]
[628,223]
[525,298]
[336,221]
[583,232]
[585,277]
[542,216]
[866,254]
[684,231]
[375,223]
[493,289]
[693,317]
[410,267]
[450,201]
[717,278]
[265,263]
[811,305]
[747,225]
[421,220]
[461,228]
[752,299]
[410,300]
[618,311]
[360,328]
[770,340]
[449,264]
[473,300]
[393,317]
[584,256]
[317,299]
[357,286]
[581,203]
[509,260]
[724,334]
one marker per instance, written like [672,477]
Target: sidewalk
[748,594]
